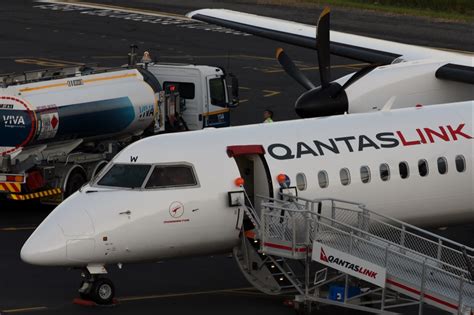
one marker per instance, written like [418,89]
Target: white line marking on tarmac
[132,14]
[172,295]
[239,291]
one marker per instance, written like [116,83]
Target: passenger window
[164,176]
[423,168]
[186,89]
[460,163]
[384,172]
[301,181]
[404,170]
[442,165]
[345,176]
[323,179]
[365,174]
[125,176]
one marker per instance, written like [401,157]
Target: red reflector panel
[34,180]
[237,150]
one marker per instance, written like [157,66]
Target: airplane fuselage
[411,164]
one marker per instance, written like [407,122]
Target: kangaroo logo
[323,256]
[176,209]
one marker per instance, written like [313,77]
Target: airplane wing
[459,66]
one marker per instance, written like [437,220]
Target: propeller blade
[358,75]
[322,46]
[292,70]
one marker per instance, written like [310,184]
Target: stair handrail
[360,231]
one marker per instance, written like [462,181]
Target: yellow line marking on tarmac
[270,93]
[172,295]
[243,101]
[350,66]
[195,56]
[74,63]
[27,309]
[244,88]
[9,229]
[43,63]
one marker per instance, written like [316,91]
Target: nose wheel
[98,290]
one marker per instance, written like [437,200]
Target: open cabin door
[254,170]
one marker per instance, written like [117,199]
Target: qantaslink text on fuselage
[382,140]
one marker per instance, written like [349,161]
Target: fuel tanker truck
[59,127]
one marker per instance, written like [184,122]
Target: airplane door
[254,170]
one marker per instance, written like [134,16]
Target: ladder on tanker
[304,246]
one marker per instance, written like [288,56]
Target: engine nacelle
[411,83]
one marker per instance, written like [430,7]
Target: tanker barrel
[103,105]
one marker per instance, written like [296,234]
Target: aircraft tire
[102,291]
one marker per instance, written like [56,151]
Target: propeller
[330,98]
[292,70]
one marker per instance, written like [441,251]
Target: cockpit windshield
[164,176]
[125,176]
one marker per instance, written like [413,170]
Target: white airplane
[403,74]
[167,196]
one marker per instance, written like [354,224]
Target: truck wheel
[75,181]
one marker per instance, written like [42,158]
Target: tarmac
[38,35]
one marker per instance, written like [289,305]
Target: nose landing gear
[97,289]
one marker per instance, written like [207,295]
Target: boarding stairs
[421,267]
[271,275]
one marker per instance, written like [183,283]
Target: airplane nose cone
[46,247]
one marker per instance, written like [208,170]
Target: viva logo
[13,120]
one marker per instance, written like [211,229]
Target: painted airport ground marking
[270,93]
[46,62]
[354,66]
[173,295]
[132,14]
[10,229]
[237,291]
[26,309]
[271,69]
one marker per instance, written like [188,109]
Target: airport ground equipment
[59,127]
[335,252]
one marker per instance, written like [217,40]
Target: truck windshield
[217,90]
[125,176]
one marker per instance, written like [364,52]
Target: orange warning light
[281,178]
[239,182]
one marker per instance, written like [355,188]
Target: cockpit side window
[164,176]
[125,176]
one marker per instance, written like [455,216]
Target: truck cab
[203,90]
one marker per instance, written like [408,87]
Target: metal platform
[336,242]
